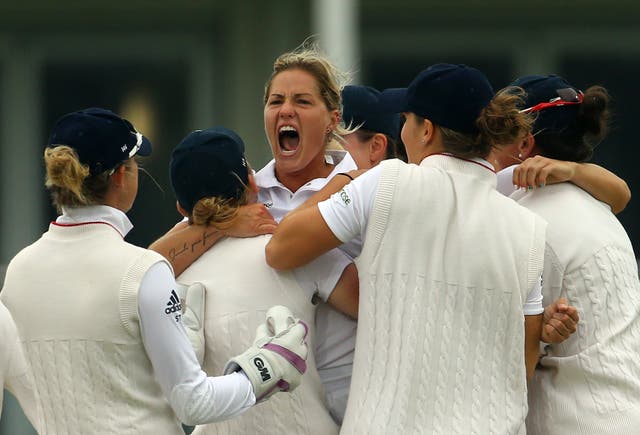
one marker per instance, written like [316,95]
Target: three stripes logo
[174,305]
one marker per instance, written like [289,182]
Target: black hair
[576,141]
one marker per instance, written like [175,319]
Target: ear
[252,183]
[429,131]
[181,210]
[335,119]
[118,177]
[378,148]
[525,148]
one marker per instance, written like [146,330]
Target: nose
[287,110]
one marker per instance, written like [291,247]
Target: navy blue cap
[451,96]
[542,89]
[208,163]
[101,138]
[361,106]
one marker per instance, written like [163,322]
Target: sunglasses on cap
[566,97]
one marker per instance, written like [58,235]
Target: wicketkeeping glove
[192,298]
[277,359]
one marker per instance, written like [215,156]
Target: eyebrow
[300,94]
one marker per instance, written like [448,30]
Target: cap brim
[394,100]
[145,148]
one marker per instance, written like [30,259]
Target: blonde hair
[330,80]
[67,179]
[217,211]
[70,182]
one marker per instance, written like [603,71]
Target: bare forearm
[533,330]
[301,236]
[603,185]
[181,247]
[184,244]
[334,185]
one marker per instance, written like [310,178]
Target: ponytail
[65,175]
[70,182]
[216,211]
[594,115]
[583,131]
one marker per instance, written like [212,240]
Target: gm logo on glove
[262,368]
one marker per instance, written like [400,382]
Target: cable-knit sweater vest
[446,265]
[589,384]
[240,288]
[73,294]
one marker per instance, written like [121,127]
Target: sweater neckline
[477,160]
[82,224]
[94,214]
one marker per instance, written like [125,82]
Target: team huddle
[435,259]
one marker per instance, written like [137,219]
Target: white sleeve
[12,360]
[322,274]
[505,181]
[17,378]
[194,397]
[347,211]
[533,304]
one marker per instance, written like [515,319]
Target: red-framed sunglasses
[566,97]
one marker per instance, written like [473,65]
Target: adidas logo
[174,305]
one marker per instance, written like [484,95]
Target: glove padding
[277,359]
[192,299]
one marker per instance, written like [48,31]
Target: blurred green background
[171,66]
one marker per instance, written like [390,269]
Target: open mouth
[289,139]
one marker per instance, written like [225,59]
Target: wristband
[346,175]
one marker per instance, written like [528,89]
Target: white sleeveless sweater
[240,288]
[73,295]
[446,267]
[589,384]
